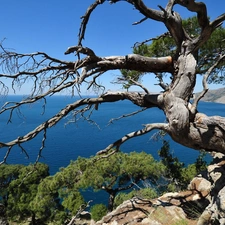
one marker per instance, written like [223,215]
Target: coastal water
[66,142]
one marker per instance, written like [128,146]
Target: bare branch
[80,210]
[210,70]
[218,21]
[161,82]
[6,156]
[137,44]
[145,130]
[132,82]
[148,12]
[80,49]
[49,75]
[42,145]
[126,115]
[204,84]
[131,62]
[139,85]
[142,20]
[38,68]
[199,8]
[85,20]
[136,98]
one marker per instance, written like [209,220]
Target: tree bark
[112,195]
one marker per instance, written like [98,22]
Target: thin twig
[138,44]
[126,115]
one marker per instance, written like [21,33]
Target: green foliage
[98,211]
[178,176]
[23,190]
[123,196]
[149,193]
[119,172]
[208,54]
[29,191]
[58,196]
[191,26]
[173,165]
[72,200]
[165,46]
[47,204]
[8,173]
[200,163]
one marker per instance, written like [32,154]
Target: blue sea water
[66,142]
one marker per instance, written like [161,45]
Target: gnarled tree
[184,123]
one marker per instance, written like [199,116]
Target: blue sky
[52,26]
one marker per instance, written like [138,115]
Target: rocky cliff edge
[202,203]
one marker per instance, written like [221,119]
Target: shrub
[98,211]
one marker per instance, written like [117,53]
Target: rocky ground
[201,204]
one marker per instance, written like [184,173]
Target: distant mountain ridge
[217,95]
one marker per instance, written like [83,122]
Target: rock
[203,203]
[142,211]
[201,185]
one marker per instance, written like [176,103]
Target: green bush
[98,211]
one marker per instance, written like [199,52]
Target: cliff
[217,95]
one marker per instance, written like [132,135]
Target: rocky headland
[217,95]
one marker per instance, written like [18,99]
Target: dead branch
[138,44]
[79,211]
[87,103]
[50,75]
[199,8]
[141,21]
[85,20]
[126,115]
[145,130]
[204,84]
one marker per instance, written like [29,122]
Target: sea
[69,139]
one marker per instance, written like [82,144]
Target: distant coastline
[217,95]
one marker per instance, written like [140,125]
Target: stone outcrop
[214,213]
[140,211]
[201,204]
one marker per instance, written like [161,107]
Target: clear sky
[52,26]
